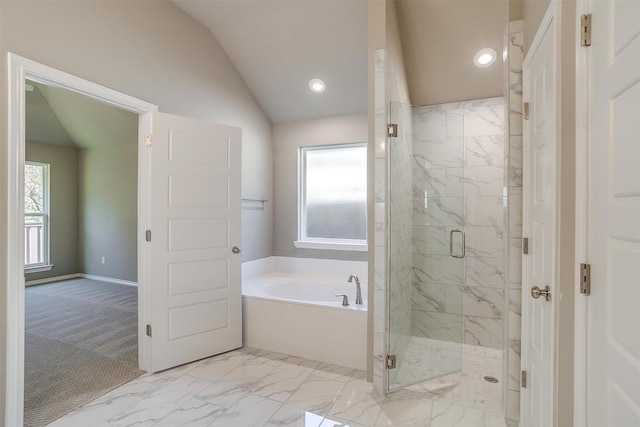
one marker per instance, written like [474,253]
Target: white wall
[151,50]
[287,137]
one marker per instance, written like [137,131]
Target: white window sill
[332,246]
[37,268]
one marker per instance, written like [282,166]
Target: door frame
[583,135]
[19,69]
[552,17]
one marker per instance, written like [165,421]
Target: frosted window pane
[336,193]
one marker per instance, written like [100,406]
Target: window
[36,217]
[333,197]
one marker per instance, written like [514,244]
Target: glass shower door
[426,244]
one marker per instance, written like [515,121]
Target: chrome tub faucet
[358,290]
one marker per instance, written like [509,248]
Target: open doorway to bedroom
[81,267]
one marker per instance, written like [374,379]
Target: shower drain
[491,379]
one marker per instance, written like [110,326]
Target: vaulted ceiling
[61,117]
[277,46]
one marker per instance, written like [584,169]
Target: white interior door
[195,285]
[538,266]
[613,228]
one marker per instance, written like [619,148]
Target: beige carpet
[81,341]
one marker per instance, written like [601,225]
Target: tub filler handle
[345,299]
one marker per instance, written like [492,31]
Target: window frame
[305,242]
[45,265]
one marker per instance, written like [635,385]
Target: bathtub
[289,307]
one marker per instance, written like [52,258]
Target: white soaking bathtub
[297,314]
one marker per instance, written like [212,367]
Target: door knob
[536,292]
[236,250]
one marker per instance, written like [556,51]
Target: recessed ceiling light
[485,57]
[317,85]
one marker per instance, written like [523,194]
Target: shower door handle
[462,253]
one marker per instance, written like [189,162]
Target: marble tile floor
[426,358]
[251,387]
[468,365]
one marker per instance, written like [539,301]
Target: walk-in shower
[446,261]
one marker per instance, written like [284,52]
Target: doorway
[541,262]
[196,292]
[22,69]
[81,302]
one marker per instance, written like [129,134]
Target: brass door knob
[536,292]
[236,250]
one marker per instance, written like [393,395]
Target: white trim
[46,216]
[583,135]
[108,279]
[80,276]
[52,279]
[303,239]
[38,268]
[333,246]
[19,69]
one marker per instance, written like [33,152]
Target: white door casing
[607,377]
[21,68]
[195,279]
[540,225]
[148,293]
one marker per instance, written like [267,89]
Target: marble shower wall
[458,160]
[513,246]
[400,153]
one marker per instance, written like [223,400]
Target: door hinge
[523,379]
[525,246]
[148,330]
[147,235]
[585,279]
[393,130]
[391,361]
[525,111]
[148,140]
[585,30]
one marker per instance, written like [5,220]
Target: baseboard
[79,276]
[107,279]
[52,279]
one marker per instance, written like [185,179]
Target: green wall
[93,210]
[108,211]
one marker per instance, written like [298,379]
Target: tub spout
[345,299]
[358,290]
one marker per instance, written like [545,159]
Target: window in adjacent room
[36,217]
[333,197]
